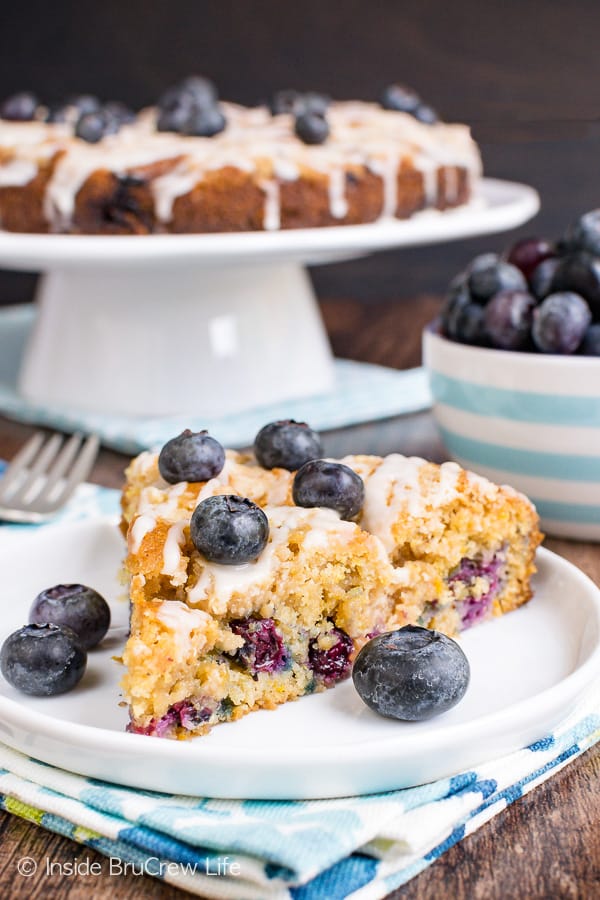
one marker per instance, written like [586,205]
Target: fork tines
[44,473]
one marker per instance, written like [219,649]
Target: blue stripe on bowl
[567,512]
[520,406]
[523,462]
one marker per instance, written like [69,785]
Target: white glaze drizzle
[18,172]
[172,558]
[141,526]
[338,204]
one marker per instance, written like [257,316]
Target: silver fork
[43,475]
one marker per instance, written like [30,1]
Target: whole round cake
[193,164]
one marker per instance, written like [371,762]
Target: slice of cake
[463,548]
[211,642]
[281,603]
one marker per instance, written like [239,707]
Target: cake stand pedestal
[205,324]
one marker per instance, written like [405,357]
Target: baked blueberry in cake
[193,163]
[258,585]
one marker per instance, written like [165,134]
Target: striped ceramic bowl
[524,419]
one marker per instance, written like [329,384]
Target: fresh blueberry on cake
[254,586]
[286,445]
[311,127]
[191,457]
[19,107]
[333,485]
[229,530]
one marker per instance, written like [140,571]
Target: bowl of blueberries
[514,369]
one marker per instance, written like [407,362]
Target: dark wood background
[524,73]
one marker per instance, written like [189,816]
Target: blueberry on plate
[191,456]
[78,607]
[528,253]
[411,674]
[43,660]
[229,530]
[560,323]
[507,319]
[286,445]
[19,107]
[311,128]
[400,98]
[333,485]
[487,279]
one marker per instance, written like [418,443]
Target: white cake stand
[205,324]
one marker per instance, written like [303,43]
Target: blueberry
[263,649]
[590,345]
[295,103]
[172,119]
[311,128]
[580,273]
[411,674]
[204,122]
[560,322]
[528,253]
[202,90]
[57,112]
[455,302]
[229,530]
[43,660]
[333,485]
[468,323]
[426,114]
[19,107]
[487,279]
[191,456]
[400,98]
[540,280]
[507,318]
[78,607]
[286,445]
[116,110]
[84,103]
[584,234]
[329,656]
[285,102]
[93,126]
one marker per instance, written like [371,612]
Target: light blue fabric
[363,393]
[356,847]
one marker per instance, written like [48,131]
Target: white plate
[499,205]
[528,668]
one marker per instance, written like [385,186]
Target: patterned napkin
[362,393]
[356,847]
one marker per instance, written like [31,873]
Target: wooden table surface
[546,845]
